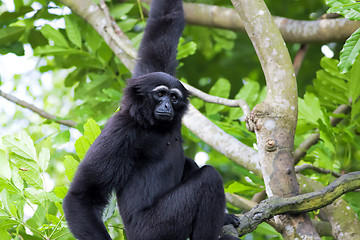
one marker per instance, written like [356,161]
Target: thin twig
[319,170]
[218,100]
[37,110]
[299,58]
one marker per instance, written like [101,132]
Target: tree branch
[274,120]
[222,142]
[218,100]
[37,110]
[298,204]
[344,221]
[319,170]
[296,31]
[322,227]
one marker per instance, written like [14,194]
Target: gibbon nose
[167,105]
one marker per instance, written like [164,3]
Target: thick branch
[274,120]
[319,170]
[297,31]
[37,110]
[344,221]
[298,204]
[221,141]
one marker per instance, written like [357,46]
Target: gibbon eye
[173,97]
[160,94]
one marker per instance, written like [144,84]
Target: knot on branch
[271,145]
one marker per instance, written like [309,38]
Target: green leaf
[348,8]
[93,87]
[26,139]
[355,111]
[62,137]
[5,200]
[18,4]
[327,135]
[240,188]
[93,40]
[36,39]
[5,171]
[120,10]
[91,130]
[28,170]
[16,48]
[72,30]
[32,178]
[54,35]
[24,163]
[309,108]
[4,235]
[70,165]
[35,196]
[83,60]
[127,24]
[250,93]
[78,75]
[6,184]
[333,81]
[185,50]
[114,95]
[136,40]
[349,52]
[17,180]
[55,50]
[221,89]
[7,224]
[60,192]
[23,146]
[354,85]
[81,146]
[53,219]
[104,53]
[44,159]
[330,65]
[10,35]
[9,17]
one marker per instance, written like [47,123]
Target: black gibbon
[162,195]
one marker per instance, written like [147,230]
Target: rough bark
[274,120]
[344,222]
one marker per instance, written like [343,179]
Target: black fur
[162,195]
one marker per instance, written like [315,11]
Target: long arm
[104,169]
[85,201]
[158,48]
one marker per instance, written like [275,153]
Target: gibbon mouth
[167,116]
[163,113]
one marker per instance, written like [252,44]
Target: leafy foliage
[351,10]
[24,189]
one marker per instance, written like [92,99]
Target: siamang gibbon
[161,194]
